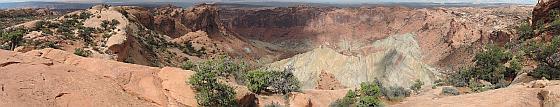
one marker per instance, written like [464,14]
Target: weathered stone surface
[52,77]
[396,62]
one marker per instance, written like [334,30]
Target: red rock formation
[440,31]
[541,12]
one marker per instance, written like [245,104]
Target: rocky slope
[164,36]
[199,26]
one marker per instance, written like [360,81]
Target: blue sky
[318,1]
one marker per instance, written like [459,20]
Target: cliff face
[543,11]
[200,26]
[440,31]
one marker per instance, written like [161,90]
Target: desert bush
[395,93]
[210,92]
[417,86]
[369,101]
[525,31]
[82,52]
[105,24]
[47,31]
[257,80]
[40,24]
[476,86]
[489,64]
[14,37]
[546,71]
[367,96]
[85,34]
[348,100]
[109,25]
[284,81]
[49,44]
[450,91]
[188,65]
[278,81]
[459,78]
[84,15]
[370,89]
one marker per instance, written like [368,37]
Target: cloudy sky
[317,1]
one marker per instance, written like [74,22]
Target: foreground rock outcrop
[518,95]
[52,77]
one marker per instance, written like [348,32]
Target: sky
[314,1]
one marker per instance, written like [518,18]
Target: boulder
[538,84]
[522,78]
[550,98]
[300,100]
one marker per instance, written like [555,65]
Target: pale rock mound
[395,61]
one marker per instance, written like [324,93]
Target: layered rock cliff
[442,33]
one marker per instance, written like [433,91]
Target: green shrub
[210,92]
[489,65]
[348,100]
[188,65]
[279,81]
[475,86]
[525,31]
[15,38]
[417,85]
[85,34]
[109,25]
[82,52]
[105,24]
[84,15]
[40,24]
[369,101]
[395,93]
[218,95]
[460,78]
[257,81]
[367,96]
[49,44]
[544,70]
[450,91]
[370,89]
[284,81]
